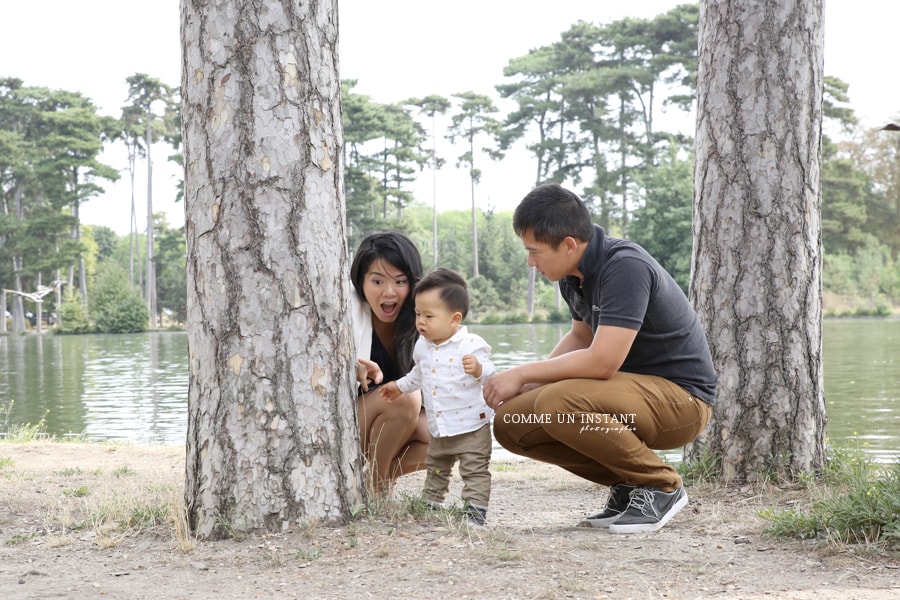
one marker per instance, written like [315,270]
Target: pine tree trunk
[757,232]
[272,433]
[150,292]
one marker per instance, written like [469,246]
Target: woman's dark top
[383,359]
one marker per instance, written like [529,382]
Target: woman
[394,434]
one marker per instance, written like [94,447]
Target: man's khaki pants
[605,431]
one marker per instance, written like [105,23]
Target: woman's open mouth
[389,309]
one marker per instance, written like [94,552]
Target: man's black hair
[551,213]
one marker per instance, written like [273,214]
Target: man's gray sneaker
[649,509]
[619,496]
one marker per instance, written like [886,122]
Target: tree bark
[272,432]
[757,261]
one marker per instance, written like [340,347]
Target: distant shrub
[73,317]
[116,306]
[558,316]
[517,317]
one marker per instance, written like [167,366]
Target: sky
[396,49]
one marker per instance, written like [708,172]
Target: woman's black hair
[398,250]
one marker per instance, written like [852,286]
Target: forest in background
[586,108]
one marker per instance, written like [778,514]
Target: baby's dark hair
[451,287]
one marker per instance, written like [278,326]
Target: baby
[451,365]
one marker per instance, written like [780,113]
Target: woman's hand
[368,371]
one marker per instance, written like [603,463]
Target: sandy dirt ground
[97,521]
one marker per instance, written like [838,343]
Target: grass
[854,501]
[114,504]
[26,432]
[31,432]
[123,471]
[79,492]
[700,470]
[308,554]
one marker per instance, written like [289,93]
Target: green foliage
[703,469]
[791,523]
[50,142]
[147,515]
[663,224]
[584,106]
[870,276]
[558,316]
[79,492]
[106,240]
[844,214]
[518,317]
[861,504]
[308,554]
[123,471]
[169,258]
[483,296]
[21,538]
[72,315]
[117,306]
[589,100]
[69,472]
[384,153]
[27,432]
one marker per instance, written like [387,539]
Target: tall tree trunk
[38,306]
[133,226]
[18,308]
[757,233]
[76,235]
[82,269]
[272,433]
[151,272]
[434,167]
[475,269]
[623,166]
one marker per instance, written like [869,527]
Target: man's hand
[368,371]
[471,366]
[503,386]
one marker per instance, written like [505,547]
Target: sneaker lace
[642,500]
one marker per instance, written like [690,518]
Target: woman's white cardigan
[362,325]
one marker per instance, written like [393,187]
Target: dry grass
[105,504]
[84,512]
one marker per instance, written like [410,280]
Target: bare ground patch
[98,520]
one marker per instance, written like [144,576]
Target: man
[632,375]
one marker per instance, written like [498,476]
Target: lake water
[133,387]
